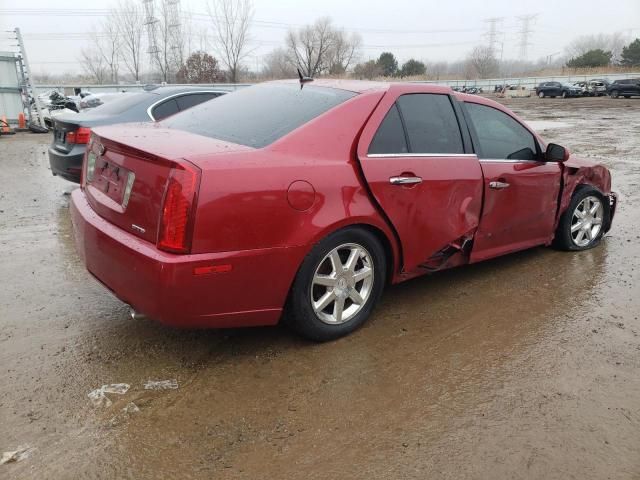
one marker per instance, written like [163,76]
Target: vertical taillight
[176,217]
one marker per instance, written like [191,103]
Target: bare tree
[368,70]
[310,47]
[344,52]
[167,42]
[613,43]
[278,65]
[106,43]
[231,20]
[129,17]
[93,64]
[482,63]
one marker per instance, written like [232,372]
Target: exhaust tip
[136,315]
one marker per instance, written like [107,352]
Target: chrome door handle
[405,180]
[498,185]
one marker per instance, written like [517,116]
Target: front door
[520,191]
[413,157]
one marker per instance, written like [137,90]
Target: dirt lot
[523,367]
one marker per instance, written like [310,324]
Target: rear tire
[615,94]
[338,285]
[564,94]
[582,225]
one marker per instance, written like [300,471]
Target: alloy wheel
[342,283]
[586,222]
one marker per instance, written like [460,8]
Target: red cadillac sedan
[301,202]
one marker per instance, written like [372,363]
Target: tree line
[128,45]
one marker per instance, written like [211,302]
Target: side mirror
[556,153]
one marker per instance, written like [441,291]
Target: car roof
[171,90]
[357,86]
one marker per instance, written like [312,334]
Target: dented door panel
[520,205]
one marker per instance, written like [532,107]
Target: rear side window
[193,99]
[165,109]
[259,115]
[390,135]
[431,123]
[500,136]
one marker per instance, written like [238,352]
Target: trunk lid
[133,163]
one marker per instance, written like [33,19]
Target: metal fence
[530,82]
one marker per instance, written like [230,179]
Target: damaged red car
[301,202]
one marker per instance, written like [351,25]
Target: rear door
[413,156]
[520,191]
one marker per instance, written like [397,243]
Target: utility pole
[27,84]
[526,22]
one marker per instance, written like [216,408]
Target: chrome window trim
[508,160]
[181,94]
[389,155]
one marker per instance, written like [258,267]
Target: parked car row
[592,88]
[71,132]
[302,200]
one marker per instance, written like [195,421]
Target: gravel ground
[522,367]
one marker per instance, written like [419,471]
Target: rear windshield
[259,115]
[123,103]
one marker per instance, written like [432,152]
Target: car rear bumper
[67,165]
[250,289]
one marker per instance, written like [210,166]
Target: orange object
[5,125]
[21,121]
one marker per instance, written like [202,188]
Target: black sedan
[557,89]
[71,132]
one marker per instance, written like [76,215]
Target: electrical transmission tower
[151,24]
[493,32]
[526,30]
[174,29]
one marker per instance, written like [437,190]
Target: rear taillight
[79,136]
[176,217]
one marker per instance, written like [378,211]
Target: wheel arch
[382,232]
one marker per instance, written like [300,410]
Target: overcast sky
[428,30]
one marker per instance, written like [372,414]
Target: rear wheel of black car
[615,94]
[337,286]
[582,225]
[564,94]
[627,96]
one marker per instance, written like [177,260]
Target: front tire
[541,94]
[615,94]
[582,224]
[337,285]
[564,94]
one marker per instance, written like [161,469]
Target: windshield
[259,115]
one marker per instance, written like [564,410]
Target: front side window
[500,136]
